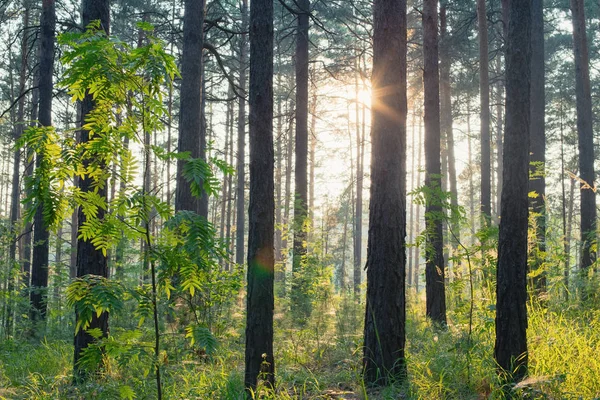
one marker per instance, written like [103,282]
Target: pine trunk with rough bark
[241,143]
[90,261]
[260,301]
[510,351]
[39,264]
[537,151]
[300,300]
[585,136]
[434,247]
[191,122]
[484,93]
[384,329]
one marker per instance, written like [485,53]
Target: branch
[214,51]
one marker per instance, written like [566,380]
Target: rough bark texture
[260,302]
[191,124]
[384,331]
[241,144]
[510,350]
[484,93]
[446,118]
[537,151]
[300,301]
[585,135]
[39,264]
[90,261]
[434,260]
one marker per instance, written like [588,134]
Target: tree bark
[241,143]
[39,264]
[510,349]
[585,136]
[484,93]
[260,301]
[446,120]
[90,261]
[434,251]
[191,122]
[300,300]
[537,166]
[384,330]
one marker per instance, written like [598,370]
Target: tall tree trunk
[417,226]
[39,264]
[470,160]
[537,151]
[300,300]
[279,259]
[312,159]
[484,93]
[260,303]
[90,261]
[230,195]
[412,234]
[16,184]
[510,350]
[191,121]
[499,142]
[358,208]
[446,120]
[434,252]
[384,331]
[241,145]
[585,136]
[288,198]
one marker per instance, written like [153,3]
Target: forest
[299,199]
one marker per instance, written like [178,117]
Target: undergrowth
[322,360]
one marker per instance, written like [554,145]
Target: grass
[323,360]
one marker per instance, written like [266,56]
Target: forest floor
[322,359]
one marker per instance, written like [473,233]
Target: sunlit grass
[323,361]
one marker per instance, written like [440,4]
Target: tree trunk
[585,136]
[191,124]
[484,93]
[417,226]
[446,122]
[411,222]
[510,350]
[358,208]
[300,300]
[384,330]
[39,264]
[260,303]
[279,259]
[434,251]
[90,261]
[241,144]
[499,143]
[537,151]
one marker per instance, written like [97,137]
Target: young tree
[484,94]
[434,266]
[39,265]
[384,331]
[90,260]
[585,136]
[261,214]
[510,350]
[191,127]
